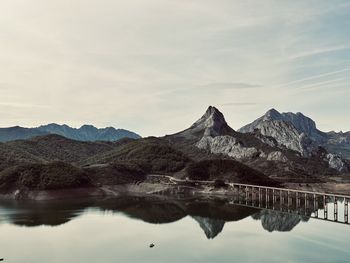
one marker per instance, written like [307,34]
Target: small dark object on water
[151,245]
[1,259]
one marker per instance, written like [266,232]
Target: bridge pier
[325,206]
[297,199]
[259,197]
[346,211]
[281,200]
[335,209]
[315,206]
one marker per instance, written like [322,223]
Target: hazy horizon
[153,67]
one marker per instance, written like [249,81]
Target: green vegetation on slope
[11,156]
[117,173]
[56,175]
[153,155]
[58,148]
[228,170]
[51,162]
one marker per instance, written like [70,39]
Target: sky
[154,66]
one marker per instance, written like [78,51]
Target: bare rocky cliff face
[294,131]
[227,145]
[217,137]
[271,144]
[212,123]
[297,132]
[298,121]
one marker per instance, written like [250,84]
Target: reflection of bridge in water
[323,206]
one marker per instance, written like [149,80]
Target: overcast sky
[154,66]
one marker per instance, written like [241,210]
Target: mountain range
[276,149]
[285,141]
[84,133]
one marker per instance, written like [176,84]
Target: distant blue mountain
[84,133]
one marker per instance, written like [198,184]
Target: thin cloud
[313,77]
[323,83]
[230,85]
[319,51]
[239,104]
[210,87]
[21,105]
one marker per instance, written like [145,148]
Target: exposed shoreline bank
[165,185]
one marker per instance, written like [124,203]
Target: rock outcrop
[300,123]
[271,143]
[337,163]
[217,137]
[299,133]
[212,123]
[227,145]
[293,131]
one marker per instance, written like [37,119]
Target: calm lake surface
[182,230]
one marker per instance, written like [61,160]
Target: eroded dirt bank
[166,185]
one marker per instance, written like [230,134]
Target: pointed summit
[212,117]
[272,114]
[212,123]
[213,111]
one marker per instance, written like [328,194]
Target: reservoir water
[181,229]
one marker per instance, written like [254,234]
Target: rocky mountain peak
[299,121]
[87,127]
[272,114]
[213,122]
[213,111]
[292,130]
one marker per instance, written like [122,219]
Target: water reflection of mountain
[211,215]
[211,227]
[32,214]
[277,221]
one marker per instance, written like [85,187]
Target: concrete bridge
[323,206]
